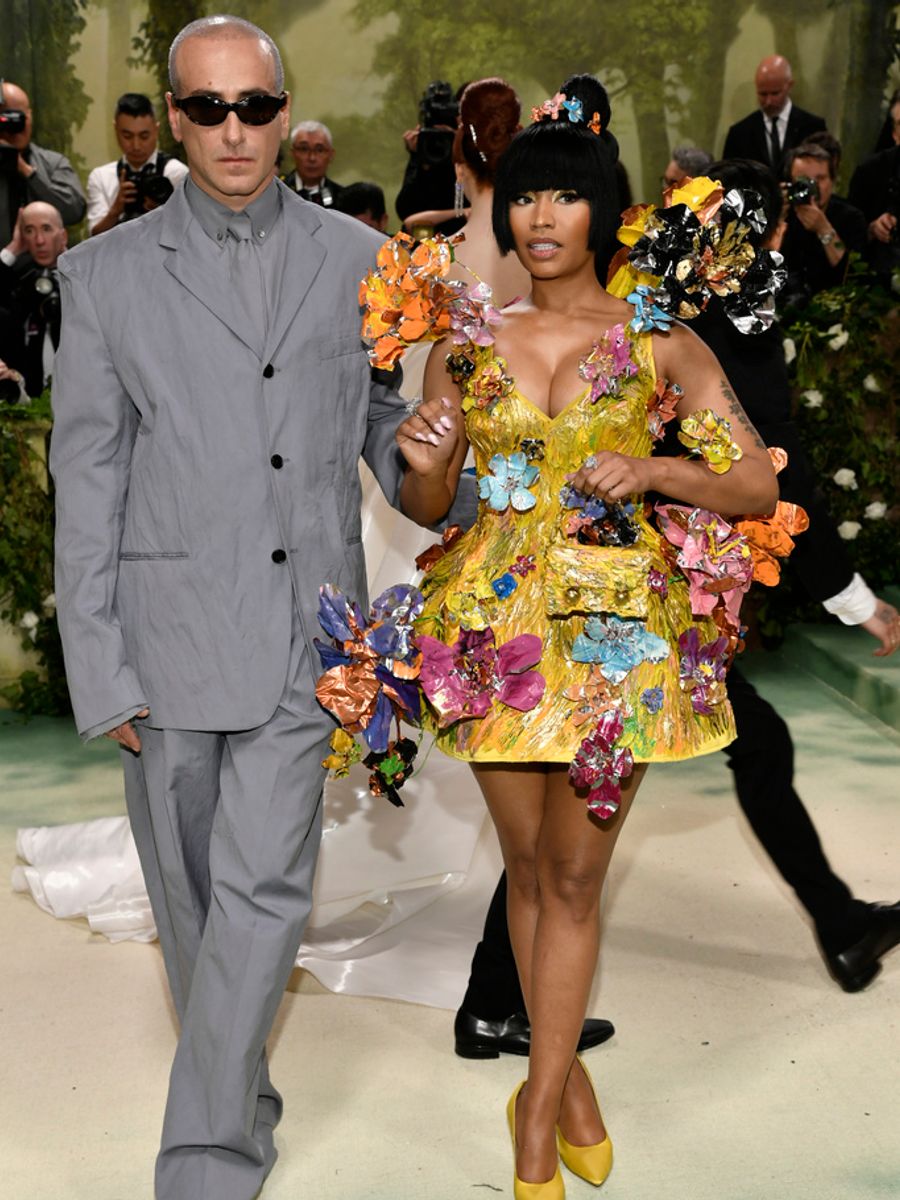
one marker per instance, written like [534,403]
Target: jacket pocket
[139,555]
[595,579]
[336,347]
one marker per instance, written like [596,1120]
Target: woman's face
[550,230]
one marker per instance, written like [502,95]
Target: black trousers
[762,759]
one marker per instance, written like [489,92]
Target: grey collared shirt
[267,238]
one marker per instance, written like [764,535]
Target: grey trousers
[228,827]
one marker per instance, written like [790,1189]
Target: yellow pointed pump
[591,1163]
[553,1189]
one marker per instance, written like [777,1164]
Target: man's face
[15,98]
[895,123]
[379,223]
[773,86]
[812,168]
[234,163]
[137,137]
[672,175]
[313,154]
[43,232]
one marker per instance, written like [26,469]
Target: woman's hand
[613,476]
[429,437]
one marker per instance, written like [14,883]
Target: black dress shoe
[856,967]
[512,1035]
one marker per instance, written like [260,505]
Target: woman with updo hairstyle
[559,646]
[489,116]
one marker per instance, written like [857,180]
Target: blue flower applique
[652,699]
[508,483]
[619,645]
[647,313]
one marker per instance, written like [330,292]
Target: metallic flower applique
[345,752]
[371,668]
[488,387]
[471,316]
[647,313]
[391,769]
[596,522]
[618,644]
[600,765]
[662,407]
[464,680]
[472,607]
[709,435]
[591,698]
[609,364]
[714,558]
[508,483]
[701,670]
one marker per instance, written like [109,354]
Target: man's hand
[812,218]
[127,194]
[16,244]
[884,625]
[428,438]
[126,734]
[882,227]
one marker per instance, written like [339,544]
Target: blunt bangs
[553,155]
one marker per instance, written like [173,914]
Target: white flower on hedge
[790,350]
[812,398]
[49,603]
[876,510]
[849,529]
[839,337]
[29,623]
[871,384]
[845,478]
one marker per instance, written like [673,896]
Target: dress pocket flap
[594,579]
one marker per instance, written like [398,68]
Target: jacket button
[278,556]
[277,461]
[268,371]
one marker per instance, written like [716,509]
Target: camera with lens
[149,183]
[9,391]
[438,113]
[802,190]
[45,286]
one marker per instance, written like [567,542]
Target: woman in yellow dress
[562,646]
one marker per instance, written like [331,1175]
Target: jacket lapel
[304,259]
[201,272]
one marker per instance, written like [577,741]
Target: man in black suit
[875,189]
[29,297]
[777,125]
[313,151]
[853,935]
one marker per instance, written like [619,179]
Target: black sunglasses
[259,109]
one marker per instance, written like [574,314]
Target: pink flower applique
[600,765]
[609,364]
[464,680]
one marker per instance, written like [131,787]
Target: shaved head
[774,80]
[39,210]
[226,28]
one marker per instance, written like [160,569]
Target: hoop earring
[459,199]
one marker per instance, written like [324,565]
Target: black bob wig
[555,155]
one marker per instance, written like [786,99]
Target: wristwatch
[827,238]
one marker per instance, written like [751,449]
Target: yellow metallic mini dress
[610,628]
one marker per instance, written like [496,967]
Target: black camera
[9,391]
[12,122]
[438,113]
[149,183]
[802,190]
[46,294]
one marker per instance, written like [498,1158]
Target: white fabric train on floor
[379,868]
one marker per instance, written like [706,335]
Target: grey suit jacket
[167,434]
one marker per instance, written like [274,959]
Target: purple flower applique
[600,765]
[609,364]
[464,680]
[657,582]
[702,670]
[652,699]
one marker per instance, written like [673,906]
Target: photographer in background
[875,188]
[821,227]
[429,183]
[365,201]
[312,147]
[29,301]
[142,179]
[28,172]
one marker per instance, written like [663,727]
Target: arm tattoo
[737,412]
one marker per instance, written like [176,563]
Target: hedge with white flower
[843,351]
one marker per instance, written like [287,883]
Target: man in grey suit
[212,397]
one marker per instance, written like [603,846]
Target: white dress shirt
[103,184]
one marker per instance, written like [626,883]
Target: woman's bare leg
[557,857]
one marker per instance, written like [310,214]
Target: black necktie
[775,146]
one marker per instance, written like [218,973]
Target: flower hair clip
[573,109]
[550,108]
